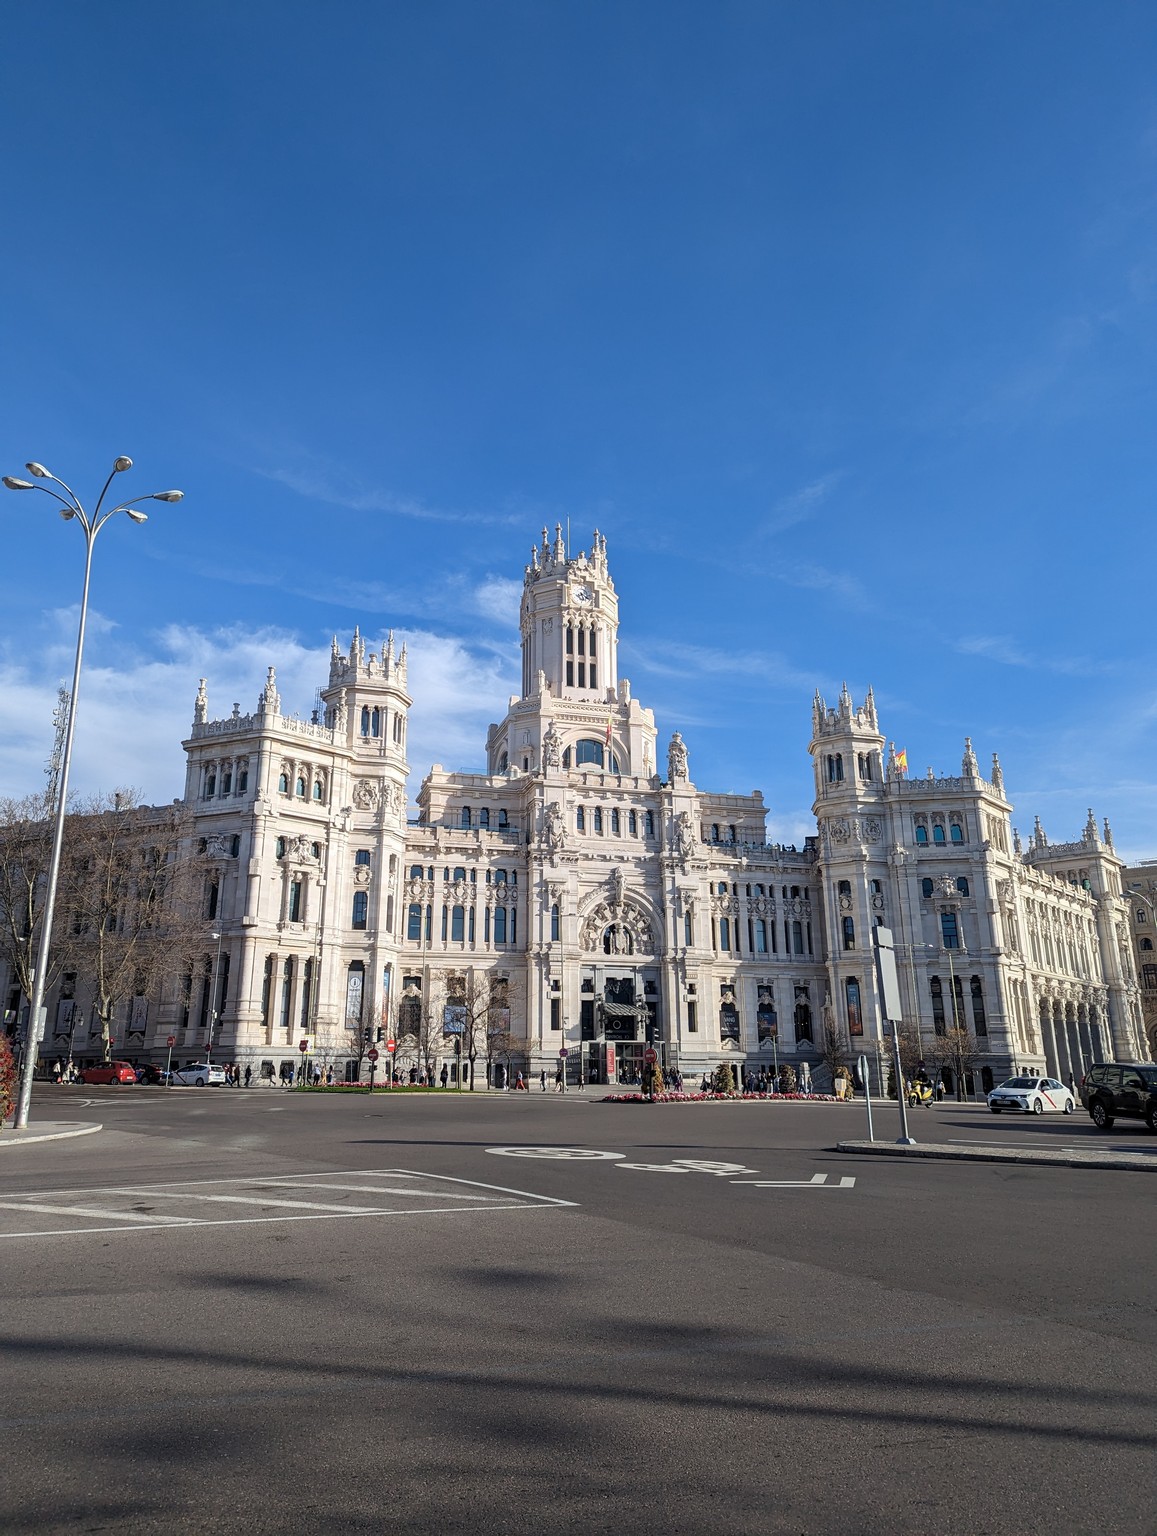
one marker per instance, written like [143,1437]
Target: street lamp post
[70,507]
[214,1013]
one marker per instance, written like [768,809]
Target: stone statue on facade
[555,828]
[684,835]
[676,759]
[551,748]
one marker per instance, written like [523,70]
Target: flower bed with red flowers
[717,1098]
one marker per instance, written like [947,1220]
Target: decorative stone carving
[216,846]
[684,835]
[551,748]
[676,758]
[554,828]
[365,794]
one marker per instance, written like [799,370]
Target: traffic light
[368,1035]
[381,1034]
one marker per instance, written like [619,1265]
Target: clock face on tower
[583,595]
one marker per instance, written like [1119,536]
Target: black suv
[1126,1088]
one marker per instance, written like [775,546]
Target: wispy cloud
[800,505]
[338,490]
[1005,651]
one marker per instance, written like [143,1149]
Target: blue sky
[837,319]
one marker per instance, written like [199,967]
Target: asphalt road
[275,1312]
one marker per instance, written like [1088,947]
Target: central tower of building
[574,710]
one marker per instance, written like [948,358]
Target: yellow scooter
[921,1092]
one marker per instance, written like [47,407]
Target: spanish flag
[902,760]
[608,727]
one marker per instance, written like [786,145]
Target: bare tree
[835,1048]
[133,892]
[420,1023]
[25,849]
[476,1008]
[959,1050]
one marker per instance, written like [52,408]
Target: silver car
[1032,1096]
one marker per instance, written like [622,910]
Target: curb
[48,1130]
[1136,1162]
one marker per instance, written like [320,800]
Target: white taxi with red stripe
[1032,1096]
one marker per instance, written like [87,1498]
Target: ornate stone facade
[614,906]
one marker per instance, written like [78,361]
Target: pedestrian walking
[248,1074]
[542,1079]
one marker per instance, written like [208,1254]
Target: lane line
[173,1224]
[370,1189]
[87,1210]
[262,1200]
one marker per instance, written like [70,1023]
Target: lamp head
[167,496]
[67,513]
[121,464]
[18,485]
[137,517]
[39,471]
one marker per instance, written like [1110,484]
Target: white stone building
[614,901]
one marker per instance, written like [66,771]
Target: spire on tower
[270,702]
[1108,833]
[997,775]
[1091,828]
[969,766]
[201,707]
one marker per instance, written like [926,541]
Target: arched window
[458,925]
[361,908]
[849,933]
[414,922]
[921,834]
[962,885]
[467,818]
[300,786]
[375,722]
[875,887]
[227,782]
[598,821]
[614,823]
[937,833]
[632,824]
[317,789]
[279,848]
[503,762]
[957,832]
[554,923]
[714,831]
[1146,943]
[365,719]
[484,817]
[503,823]
[721,888]
[926,886]
[283,782]
[234,845]
[580,819]
[593,752]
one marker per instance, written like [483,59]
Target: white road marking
[563,1154]
[250,1191]
[817,1181]
[87,1210]
[653,1167]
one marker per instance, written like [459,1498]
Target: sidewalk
[45,1130]
[1139,1162]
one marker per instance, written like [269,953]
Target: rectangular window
[598,821]
[361,909]
[555,1014]
[582,681]
[445,921]
[650,823]
[458,925]
[949,930]
[692,1017]
[587,1018]
[760,936]
[570,674]
[295,902]
[414,923]
[500,925]
[594,684]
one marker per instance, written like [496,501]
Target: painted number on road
[676,1165]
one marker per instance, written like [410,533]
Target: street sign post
[169,1062]
[372,1058]
[650,1055]
[892,1010]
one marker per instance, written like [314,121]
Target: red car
[110,1072]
